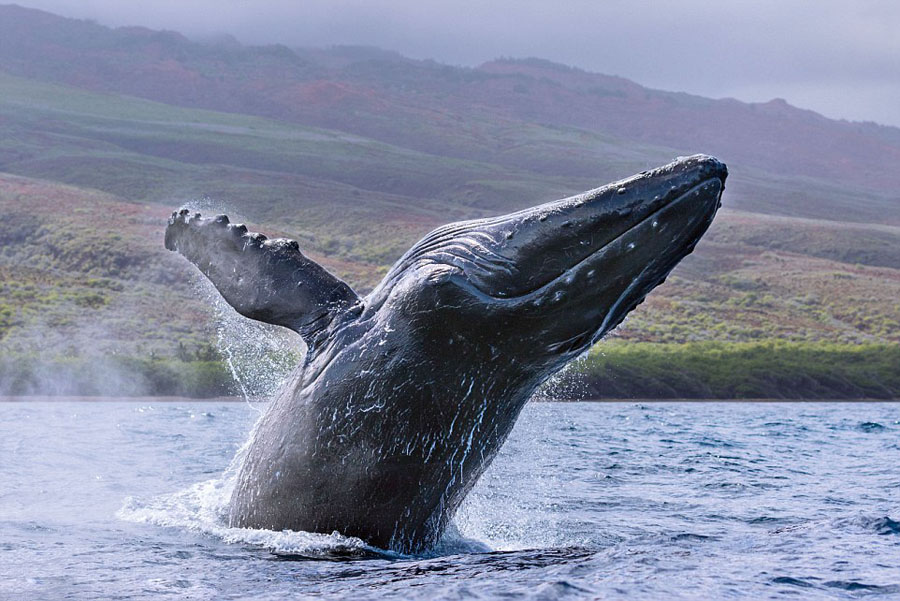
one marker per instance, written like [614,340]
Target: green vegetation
[704,370]
[762,370]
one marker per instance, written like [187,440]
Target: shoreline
[615,372]
[237,399]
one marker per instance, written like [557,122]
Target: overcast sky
[840,58]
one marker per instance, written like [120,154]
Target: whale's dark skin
[405,396]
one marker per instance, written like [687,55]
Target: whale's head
[537,287]
[549,281]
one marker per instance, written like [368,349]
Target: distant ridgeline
[356,153]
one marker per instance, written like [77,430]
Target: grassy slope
[82,265]
[334,191]
[761,370]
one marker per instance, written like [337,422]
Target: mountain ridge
[426,105]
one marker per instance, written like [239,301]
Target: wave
[203,508]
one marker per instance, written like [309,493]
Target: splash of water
[260,356]
[256,356]
[203,508]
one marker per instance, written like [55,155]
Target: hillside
[92,304]
[477,114]
[357,152]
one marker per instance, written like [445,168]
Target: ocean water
[123,500]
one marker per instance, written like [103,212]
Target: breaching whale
[406,395]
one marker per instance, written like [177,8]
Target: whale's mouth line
[526,296]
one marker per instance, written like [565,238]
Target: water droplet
[631,246]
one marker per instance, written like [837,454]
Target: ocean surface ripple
[103,500]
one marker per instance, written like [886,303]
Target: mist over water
[46,360]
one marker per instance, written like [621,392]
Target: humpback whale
[406,395]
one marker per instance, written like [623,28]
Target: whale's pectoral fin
[266,280]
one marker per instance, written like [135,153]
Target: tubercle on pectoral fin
[267,280]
